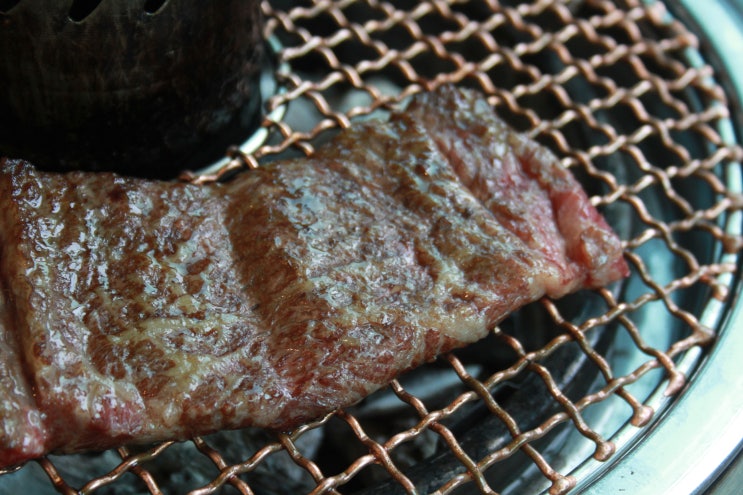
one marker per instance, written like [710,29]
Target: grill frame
[610,473]
[699,441]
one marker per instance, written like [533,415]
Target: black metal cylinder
[144,87]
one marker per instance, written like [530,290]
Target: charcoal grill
[631,389]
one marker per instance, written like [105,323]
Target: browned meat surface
[520,182]
[138,311]
[22,434]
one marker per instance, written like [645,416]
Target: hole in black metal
[153,6]
[80,9]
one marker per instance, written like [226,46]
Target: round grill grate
[620,92]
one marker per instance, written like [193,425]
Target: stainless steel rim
[699,432]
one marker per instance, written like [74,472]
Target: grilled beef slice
[135,311]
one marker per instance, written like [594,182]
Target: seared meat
[22,434]
[139,310]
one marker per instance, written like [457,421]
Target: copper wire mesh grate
[611,88]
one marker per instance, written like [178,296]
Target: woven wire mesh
[611,88]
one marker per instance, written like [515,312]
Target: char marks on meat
[137,311]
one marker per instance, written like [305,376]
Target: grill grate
[619,92]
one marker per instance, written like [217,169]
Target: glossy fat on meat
[525,187]
[22,432]
[121,288]
[140,310]
[374,260]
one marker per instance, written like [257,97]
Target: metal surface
[579,394]
[703,431]
[135,86]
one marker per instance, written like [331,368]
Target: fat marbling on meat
[138,311]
